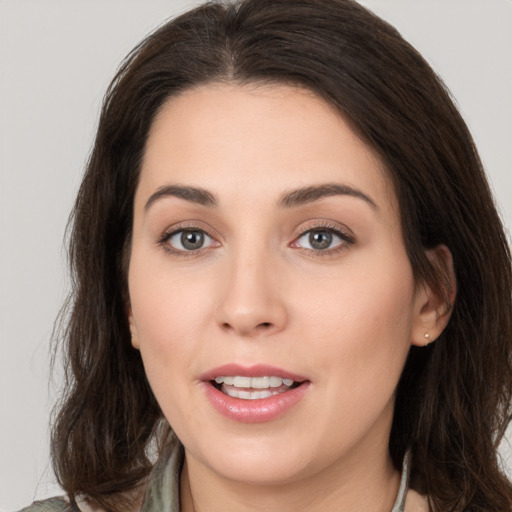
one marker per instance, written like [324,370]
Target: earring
[427,338]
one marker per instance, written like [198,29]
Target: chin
[260,460]
[268,472]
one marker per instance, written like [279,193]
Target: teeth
[226,380]
[250,395]
[260,382]
[253,382]
[242,382]
[275,382]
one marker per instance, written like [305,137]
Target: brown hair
[453,399]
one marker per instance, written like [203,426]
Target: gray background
[56,59]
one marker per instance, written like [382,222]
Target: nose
[252,303]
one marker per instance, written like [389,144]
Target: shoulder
[61,504]
[416,502]
[50,505]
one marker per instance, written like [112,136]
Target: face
[271,296]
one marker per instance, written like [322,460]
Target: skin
[257,292]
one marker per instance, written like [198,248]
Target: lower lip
[254,411]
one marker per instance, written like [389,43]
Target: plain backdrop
[56,60]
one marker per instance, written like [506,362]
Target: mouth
[253,388]
[254,394]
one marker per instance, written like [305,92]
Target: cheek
[359,336]
[363,320]
[163,296]
[168,310]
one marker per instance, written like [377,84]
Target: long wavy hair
[453,399]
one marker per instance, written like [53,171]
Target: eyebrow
[314,193]
[290,199]
[191,194]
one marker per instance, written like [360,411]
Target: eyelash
[346,240]
[167,235]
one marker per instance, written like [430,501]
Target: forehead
[257,140]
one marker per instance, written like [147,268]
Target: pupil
[192,240]
[320,239]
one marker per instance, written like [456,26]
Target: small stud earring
[427,338]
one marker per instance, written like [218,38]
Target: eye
[188,240]
[322,239]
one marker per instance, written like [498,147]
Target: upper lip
[259,370]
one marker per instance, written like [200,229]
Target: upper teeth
[253,382]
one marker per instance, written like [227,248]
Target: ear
[133,328]
[433,308]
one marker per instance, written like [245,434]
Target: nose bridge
[252,303]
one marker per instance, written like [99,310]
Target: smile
[253,394]
[253,388]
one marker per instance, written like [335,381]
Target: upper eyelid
[335,231]
[187,226]
[345,239]
[328,225]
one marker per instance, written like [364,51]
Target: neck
[364,483]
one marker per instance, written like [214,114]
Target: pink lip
[253,411]
[259,370]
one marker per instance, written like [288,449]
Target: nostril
[246,328]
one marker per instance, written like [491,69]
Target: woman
[292,286]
